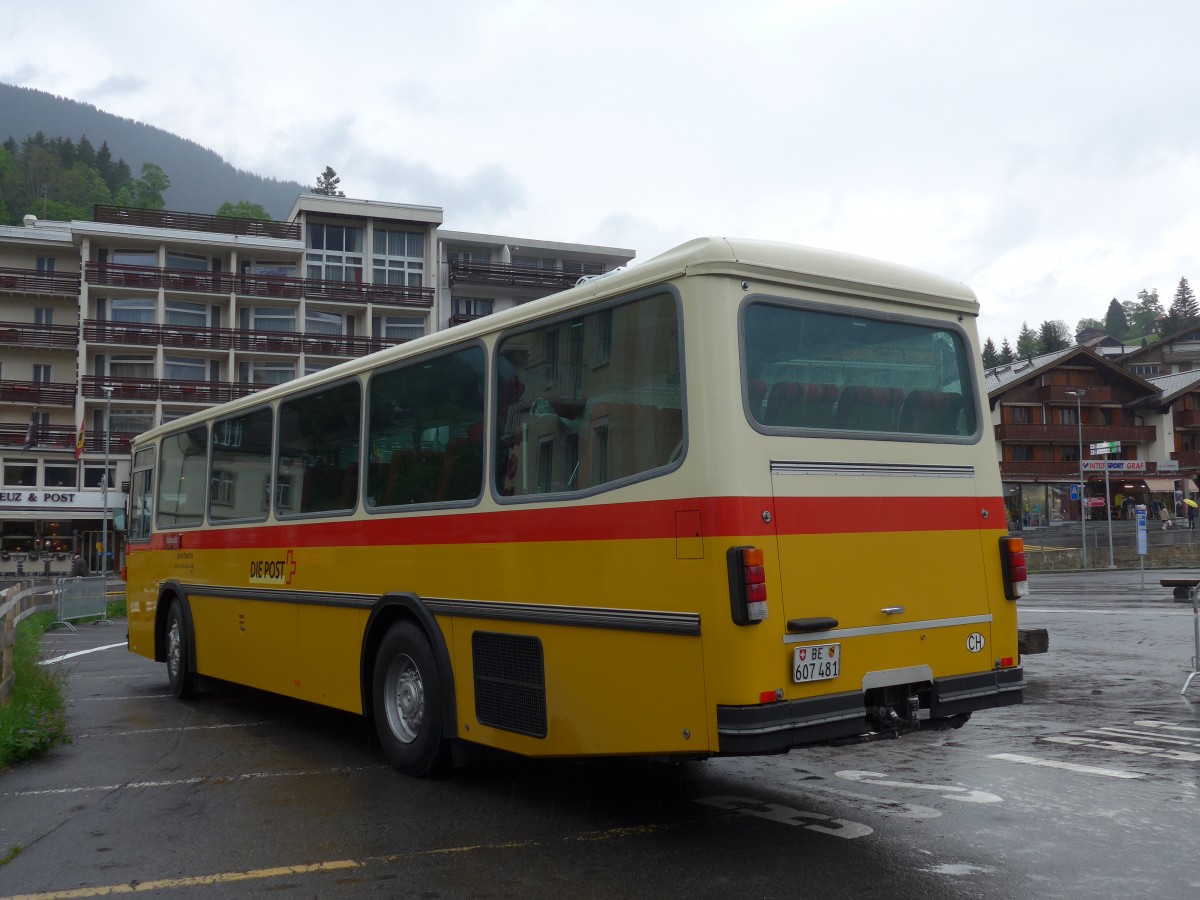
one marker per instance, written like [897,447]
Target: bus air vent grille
[510,682]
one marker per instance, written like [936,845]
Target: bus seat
[801,405]
[412,477]
[348,496]
[931,412]
[758,393]
[868,408]
[462,470]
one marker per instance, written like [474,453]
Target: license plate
[816,662]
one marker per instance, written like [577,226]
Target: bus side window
[319,447]
[425,431]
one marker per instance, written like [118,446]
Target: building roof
[1002,377]
[1005,374]
[1172,386]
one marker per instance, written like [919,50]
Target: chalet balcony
[1187,459]
[31,281]
[157,218]
[1187,418]
[1069,434]
[1058,393]
[62,437]
[29,335]
[1181,355]
[1043,471]
[555,279]
[250,285]
[40,393]
[118,334]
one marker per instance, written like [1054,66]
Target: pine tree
[327,183]
[1115,321]
[1027,342]
[1183,306]
[990,357]
[1053,335]
[1006,352]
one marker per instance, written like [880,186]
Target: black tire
[179,660]
[406,698]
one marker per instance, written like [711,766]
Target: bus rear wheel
[178,661]
[407,701]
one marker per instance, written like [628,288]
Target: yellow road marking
[217,878]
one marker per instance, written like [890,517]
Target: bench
[1183,586]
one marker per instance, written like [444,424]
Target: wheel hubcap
[405,698]
[174,643]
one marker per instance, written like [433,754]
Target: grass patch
[35,718]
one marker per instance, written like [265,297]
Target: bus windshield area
[817,369]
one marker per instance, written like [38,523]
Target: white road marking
[1070,767]
[1122,747]
[1166,726]
[949,791]
[1141,613]
[175,730]
[58,659]
[875,804]
[187,782]
[774,812]
[125,697]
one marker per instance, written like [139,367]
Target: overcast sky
[1046,152]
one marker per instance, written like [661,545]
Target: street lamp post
[104,491]
[1078,395]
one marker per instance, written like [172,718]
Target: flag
[79,438]
[31,434]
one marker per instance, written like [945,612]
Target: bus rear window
[832,371]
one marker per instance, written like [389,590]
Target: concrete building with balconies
[141,317]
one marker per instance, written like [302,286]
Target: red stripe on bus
[733,516]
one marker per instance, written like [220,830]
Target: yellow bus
[740,498]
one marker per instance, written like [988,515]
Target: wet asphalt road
[1090,789]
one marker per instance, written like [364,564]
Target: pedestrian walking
[1191,517]
[1165,515]
[79,567]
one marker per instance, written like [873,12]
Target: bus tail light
[1012,562]
[747,585]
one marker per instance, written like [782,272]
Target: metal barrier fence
[82,598]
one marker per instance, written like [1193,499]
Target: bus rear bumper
[778,727]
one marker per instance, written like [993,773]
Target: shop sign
[1116,465]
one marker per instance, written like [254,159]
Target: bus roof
[764,262]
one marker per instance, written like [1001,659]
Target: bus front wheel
[407,701]
[178,663]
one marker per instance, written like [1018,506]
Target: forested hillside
[200,181]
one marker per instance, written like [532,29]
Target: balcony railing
[30,335]
[170,391]
[1069,434]
[1059,393]
[62,437]
[31,281]
[156,218]
[251,285]
[1187,418]
[37,392]
[511,276]
[1187,459]
[184,336]
[1062,471]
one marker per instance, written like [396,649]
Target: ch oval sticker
[975,642]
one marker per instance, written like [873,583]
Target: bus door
[882,573]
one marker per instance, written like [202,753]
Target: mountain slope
[200,180]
